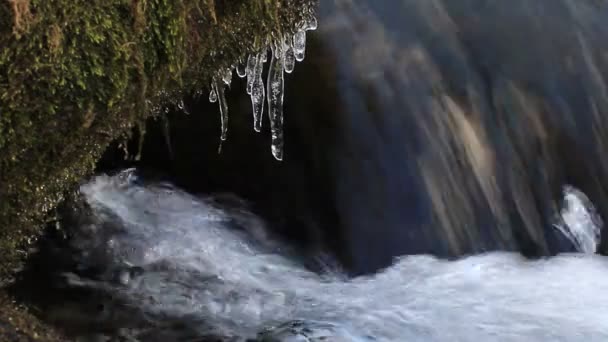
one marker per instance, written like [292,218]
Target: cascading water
[171,255]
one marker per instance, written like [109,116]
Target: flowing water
[170,255]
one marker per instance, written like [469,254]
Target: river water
[169,255]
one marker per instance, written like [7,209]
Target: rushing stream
[171,256]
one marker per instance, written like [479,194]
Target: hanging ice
[290,58]
[241,70]
[275,87]
[218,87]
[311,24]
[285,52]
[299,45]
[227,76]
[299,39]
[252,61]
[257,92]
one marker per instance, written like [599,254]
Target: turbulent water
[580,222]
[169,254]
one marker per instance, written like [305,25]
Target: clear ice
[299,39]
[212,95]
[299,45]
[241,70]
[227,76]
[286,51]
[221,96]
[249,70]
[290,58]
[275,98]
[257,92]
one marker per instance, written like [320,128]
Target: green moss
[17,324]
[78,74]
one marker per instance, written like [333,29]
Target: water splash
[579,221]
[194,268]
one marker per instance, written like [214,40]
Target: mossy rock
[78,74]
[17,325]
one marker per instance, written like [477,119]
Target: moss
[78,74]
[17,324]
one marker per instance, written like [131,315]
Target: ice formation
[257,91]
[240,70]
[221,96]
[286,50]
[276,88]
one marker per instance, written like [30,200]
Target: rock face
[420,127]
[455,132]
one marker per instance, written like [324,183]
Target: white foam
[579,221]
[225,279]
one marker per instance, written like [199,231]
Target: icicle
[166,130]
[257,93]
[221,96]
[227,76]
[290,58]
[241,70]
[311,24]
[299,39]
[285,53]
[252,61]
[182,106]
[275,87]
[212,95]
[299,45]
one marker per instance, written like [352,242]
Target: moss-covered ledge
[77,74]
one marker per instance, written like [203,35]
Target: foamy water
[193,266]
[579,221]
